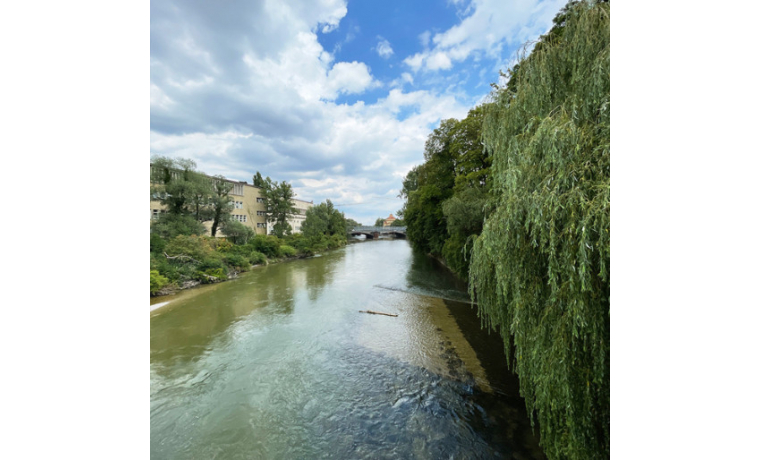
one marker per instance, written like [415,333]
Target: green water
[280,364]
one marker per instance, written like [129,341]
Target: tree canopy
[453,178]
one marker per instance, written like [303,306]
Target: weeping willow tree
[540,268]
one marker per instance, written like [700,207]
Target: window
[155,213]
[259,200]
[237,189]
[261,213]
[260,225]
[238,205]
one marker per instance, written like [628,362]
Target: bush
[237,261]
[210,275]
[288,251]
[269,245]
[336,241]
[222,245]
[157,281]
[257,258]
[169,226]
[195,247]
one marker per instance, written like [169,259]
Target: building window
[238,205]
[155,213]
[237,189]
[260,225]
[261,213]
[260,200]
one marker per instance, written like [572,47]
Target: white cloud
[438,61]
[415,62]
[349,78]
[490,25]
[383,48]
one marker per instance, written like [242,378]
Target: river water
[280,364]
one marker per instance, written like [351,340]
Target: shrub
[195,247]
[210,275]
[237,261]
[288,251]
[157,281]
[222,245]
[257,258]
[269,245]
[336,241]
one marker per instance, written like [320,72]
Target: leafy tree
[278,203]
[379,222]
[220,202]
[398,223]
[540,268]
[176,184]
[324,220]
[351,223]
[259,181]
[237,232]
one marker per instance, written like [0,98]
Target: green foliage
[237,232]
[278,203]
[178,186]
[351,223]
[211,275]
[269,245]
[157,281]
[445,195]
[324,219]
[237,261]
[257,258]
[288,251]
[540,268]
[398,223]
[168,226]
[193,247]
[220,203]
[379,222]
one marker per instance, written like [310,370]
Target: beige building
[389,221]
[248,209]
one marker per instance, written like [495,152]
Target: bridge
[375,232]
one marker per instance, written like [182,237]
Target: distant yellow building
[389,221]
[248,209]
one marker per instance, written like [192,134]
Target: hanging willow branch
[540,269]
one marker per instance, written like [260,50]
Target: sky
[335,97]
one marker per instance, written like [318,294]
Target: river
[280,364]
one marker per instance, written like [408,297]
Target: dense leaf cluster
[540,269]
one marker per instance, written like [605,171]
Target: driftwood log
[376,313]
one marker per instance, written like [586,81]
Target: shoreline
[193,284]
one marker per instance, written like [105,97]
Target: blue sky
[335,97]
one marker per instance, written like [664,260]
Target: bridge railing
[379,229]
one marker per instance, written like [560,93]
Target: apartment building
[248,209]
